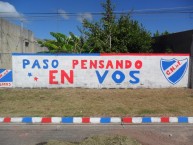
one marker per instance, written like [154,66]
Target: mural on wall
[5,78]
[100,70]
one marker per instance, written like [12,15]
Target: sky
[64,16]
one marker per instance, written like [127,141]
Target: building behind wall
[15,39]
[177,42]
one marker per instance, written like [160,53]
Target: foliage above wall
[109,34]
[62,43]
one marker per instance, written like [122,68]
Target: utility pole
[21,35]
[110,37]
[110,40]
[191,65]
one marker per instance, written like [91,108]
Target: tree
[157,33]
[111,34]
[157,36]
[62,43]
[131,36]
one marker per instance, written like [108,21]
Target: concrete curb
[95,120]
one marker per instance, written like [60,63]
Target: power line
[177,9]
[46,15]
[164,9]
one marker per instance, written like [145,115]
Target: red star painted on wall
[36,79]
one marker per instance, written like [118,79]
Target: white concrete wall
[142,71]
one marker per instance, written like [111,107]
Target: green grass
[143,112]
[99,140]
[96,102]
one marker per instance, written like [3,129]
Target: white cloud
[7,10]
[83,16]
[63,14]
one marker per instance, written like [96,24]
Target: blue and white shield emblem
[174,69]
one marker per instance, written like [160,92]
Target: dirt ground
[144,134]
[137,134]
[160,134]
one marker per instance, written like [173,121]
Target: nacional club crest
[174,69]
[5,78]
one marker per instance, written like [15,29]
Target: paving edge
[95,120]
